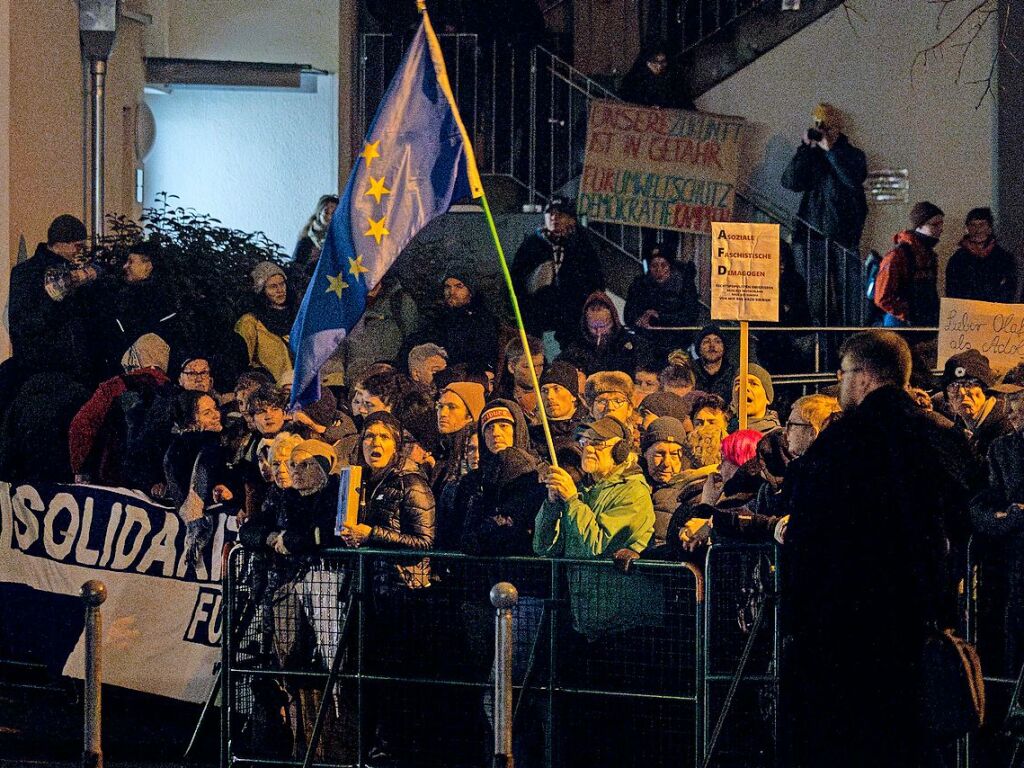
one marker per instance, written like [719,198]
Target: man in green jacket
[611,511]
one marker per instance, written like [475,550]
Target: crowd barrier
[608,668]
[605,664]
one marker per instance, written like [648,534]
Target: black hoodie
[469,334]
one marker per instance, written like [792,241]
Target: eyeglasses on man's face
[847,371]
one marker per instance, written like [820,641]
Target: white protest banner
[995,330]
[162,616]
[744,271]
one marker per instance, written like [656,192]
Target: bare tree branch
[963,36]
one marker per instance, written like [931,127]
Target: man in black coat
[463,325]
[554,272]
[874,504]
[143,302]
[50,305]
[997,514]
[829,172]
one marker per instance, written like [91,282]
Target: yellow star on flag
[377,189]
[356,268]
[336,284]
[377,229]
[369,152]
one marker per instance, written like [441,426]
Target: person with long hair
[195,466]
[311,242]
[397,513]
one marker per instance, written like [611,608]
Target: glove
[624,558]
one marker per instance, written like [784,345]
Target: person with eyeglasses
[609,393]
[877,503]
[966,383]
[607,516]
[196,375]
[652,81]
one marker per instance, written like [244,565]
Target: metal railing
[388,669]
[685,24]
[741,661]
[526,112]
[810,352]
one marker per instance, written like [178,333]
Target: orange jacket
[908,262]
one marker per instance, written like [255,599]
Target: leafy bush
[206,264]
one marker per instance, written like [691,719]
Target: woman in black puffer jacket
[397,513]
[398,508]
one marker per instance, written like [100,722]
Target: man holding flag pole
[416,162]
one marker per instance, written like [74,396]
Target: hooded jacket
[905,286]
[98,438]
[611,351]
[501,497]
[611,514]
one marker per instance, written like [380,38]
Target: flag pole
[477,188]
[522,330]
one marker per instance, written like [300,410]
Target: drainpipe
[97,29]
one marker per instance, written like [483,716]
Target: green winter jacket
[614,513]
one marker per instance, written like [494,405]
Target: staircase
[526,113]
[717,38]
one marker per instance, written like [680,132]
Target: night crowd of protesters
[651,463]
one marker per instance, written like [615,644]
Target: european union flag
[416,161]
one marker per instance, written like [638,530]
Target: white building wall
[863,64]
[255,159]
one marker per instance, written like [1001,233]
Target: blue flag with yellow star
[416,161]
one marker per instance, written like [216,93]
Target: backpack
[871,266]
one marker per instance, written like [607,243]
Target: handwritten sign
[995,330]
[659,168]
[744,271]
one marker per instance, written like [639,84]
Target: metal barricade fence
[741,628]
[606,665]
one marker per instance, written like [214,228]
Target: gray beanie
[263,272]
[764,377]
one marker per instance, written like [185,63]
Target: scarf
[981,250]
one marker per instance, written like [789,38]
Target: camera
[814,134]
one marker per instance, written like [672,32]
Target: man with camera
[829,172]
[50,306]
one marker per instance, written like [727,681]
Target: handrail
[590,82]
[795,328]
[752,195]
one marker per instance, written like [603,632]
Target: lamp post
[97,29]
